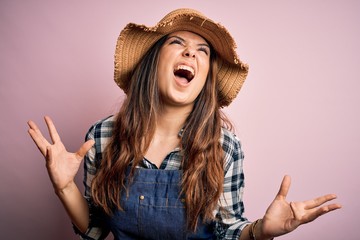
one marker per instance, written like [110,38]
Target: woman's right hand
[61,165]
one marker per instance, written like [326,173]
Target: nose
[189,52]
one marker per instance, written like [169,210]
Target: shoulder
[101,132]
[229,140]
[101,129]
[231,146]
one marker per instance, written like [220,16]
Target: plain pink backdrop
[298,112]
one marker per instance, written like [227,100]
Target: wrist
[256,231]
[68,189]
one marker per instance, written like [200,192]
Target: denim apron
[153,209]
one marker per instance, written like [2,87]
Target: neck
[170,120]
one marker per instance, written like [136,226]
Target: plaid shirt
[229,224]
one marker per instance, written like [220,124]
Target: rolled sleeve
[100,132]
[230,213]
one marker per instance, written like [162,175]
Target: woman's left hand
[282,217]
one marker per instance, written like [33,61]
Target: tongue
[182,80]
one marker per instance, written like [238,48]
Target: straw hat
[135,40]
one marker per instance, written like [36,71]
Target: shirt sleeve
[230,213]
[96,230]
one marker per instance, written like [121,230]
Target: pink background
[298,112]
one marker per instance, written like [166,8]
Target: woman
[168,166]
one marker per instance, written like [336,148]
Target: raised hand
[282,217]
[61,165]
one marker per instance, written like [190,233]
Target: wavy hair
[134,127]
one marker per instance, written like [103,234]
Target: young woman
[168,166]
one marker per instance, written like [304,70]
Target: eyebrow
[183,40]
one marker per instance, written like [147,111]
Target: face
[184,62]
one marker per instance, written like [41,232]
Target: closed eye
[204,49]
[176,41]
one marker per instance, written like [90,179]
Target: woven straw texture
[135,40]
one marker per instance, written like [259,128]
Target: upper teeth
[184,67]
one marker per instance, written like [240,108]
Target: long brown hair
[202,164]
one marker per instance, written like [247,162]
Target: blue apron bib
[153,209]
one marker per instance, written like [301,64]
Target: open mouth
[184,71]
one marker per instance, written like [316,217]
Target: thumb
[284,188]
[49,156]
[84,148]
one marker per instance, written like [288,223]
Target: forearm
[75,205]
[254,229]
